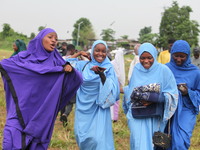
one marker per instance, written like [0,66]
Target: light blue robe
[93,125]
[184,118]
[142,130]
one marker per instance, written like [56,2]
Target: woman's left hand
[183,88]
[68,68]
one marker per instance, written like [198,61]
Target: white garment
[118,64]
[133,63]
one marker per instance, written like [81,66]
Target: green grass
[63,138]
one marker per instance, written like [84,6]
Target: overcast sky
[126,16]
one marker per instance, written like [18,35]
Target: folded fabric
[153,87]
[146,101]
[149,92]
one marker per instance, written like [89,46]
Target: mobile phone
[102,69]
[181,86]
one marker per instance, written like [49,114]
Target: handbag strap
[169,124]
[168,128]
[85,66]
[15,98]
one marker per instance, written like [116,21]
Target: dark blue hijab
[184,118]
[183,47]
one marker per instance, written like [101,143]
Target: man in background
[195,58]
[63,49]
[164,56]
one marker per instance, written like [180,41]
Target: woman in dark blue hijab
[187,78]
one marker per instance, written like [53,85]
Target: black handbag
[161,139]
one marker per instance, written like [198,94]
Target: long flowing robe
[93,125]
[188,106]
[142,129]
[42,89]
[118,64]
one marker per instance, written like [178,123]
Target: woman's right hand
[68,68]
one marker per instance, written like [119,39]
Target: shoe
[114,121]
[63,119]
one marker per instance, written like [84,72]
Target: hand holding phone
[183,88]
[97,69]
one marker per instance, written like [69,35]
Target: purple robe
[42,89]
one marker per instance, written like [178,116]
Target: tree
[7,30]
[176,24]
[144,31]
[146,36]
[125,37]
[86,32]
[32,35]
[41,28]
[107,34]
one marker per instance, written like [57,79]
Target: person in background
[70,51]
[63,49]
[38,83]
[100,90]
[195,58]
[150,99]
[109,54]
[18,46]
[164,56]
[187,78]
[72,57]
[118,64]
[134,61]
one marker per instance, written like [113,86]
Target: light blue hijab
[141,130]
[93,126]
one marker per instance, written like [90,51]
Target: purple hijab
[42,89]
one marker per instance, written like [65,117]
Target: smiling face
[179,58]
[50,41]
[99,52]
[146,59]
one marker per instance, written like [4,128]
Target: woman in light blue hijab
[100,90]
[149,79]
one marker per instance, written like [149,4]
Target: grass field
[63,138]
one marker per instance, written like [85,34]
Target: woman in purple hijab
[38,83]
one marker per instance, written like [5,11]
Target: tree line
[175,24]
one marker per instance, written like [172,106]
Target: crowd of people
[162,93]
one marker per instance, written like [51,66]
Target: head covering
[20,45]
[92,52]
[181,46]
[36,56]
[148,47]
[42,89]
[90,75]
